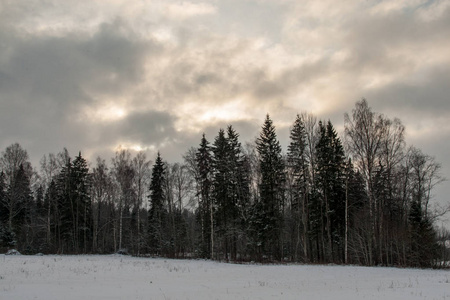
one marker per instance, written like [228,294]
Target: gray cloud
[90,77]
[428,97]
[143,128]
[46,80]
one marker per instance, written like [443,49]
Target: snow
[125,277]
[13,252]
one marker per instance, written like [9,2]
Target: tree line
[361,200]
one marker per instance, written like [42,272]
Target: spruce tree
[81,184]
[423,247]
[270,205]
[221,190]
[330,176]
[20,199]
[239,192]
[230,190]
[65,209]
[52,218]
[297,161]
[73,187]
[157,213]
[7,235]
[205,214]
[337,201]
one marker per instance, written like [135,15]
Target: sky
[96,76]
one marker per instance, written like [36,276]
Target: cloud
[186,10]
[155,75]
[48,81]
[145,128]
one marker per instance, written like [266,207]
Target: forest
[364,198]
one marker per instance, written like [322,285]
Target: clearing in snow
[123,277]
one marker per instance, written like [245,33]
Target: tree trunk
[212,229]
[346,223]
[120,225]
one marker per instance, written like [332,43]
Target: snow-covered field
[123,277]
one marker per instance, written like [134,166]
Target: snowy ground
[123,277]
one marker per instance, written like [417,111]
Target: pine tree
[157,212]
[269,208]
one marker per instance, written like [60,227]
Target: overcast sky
[94,75]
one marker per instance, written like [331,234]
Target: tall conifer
[157,211]
[206,209]
[269,209]
[297,160]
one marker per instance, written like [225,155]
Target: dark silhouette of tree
[203,160]
[73,186]
[82,182]
[268,210]
[330,176]
[230,191]
[239,193]
[297,163]
[221,192]
[238,203]
[4,214]
[157,214]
